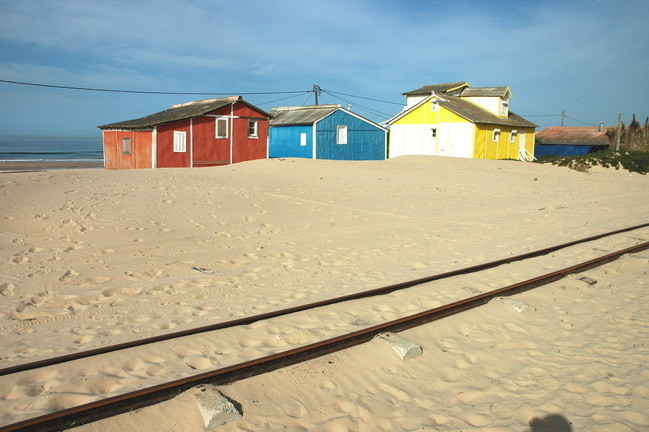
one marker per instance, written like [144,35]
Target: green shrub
[634,161]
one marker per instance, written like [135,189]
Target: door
[521,146]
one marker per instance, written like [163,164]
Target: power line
[362,97]
[307,99]
[281,99]
[373,111]
[579,121]
[148,92]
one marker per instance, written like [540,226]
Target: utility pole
[316,91]
[563,116]
[618,135]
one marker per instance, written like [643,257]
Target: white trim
[154,147]
[341,134]
[231,132]
[180,141]
[191,142]
[255,123]
[512,135]
[216,127]
[493,136]
[360,118]
[385,146]
[313,132]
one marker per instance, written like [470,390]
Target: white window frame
[223,120]
[504,107]
[126,145]
[253,126]
[180,141]
[303,139]
[512,135]
[496,135]
[434,132]
[434,105]
[341,134]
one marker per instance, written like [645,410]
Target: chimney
[601,126]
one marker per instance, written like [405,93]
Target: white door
[442,140]
[521,145]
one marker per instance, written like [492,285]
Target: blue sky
[587,57]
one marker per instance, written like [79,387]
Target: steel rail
[108,407]
[280,312]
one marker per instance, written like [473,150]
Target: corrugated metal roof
[177,112]
[443,88]
[469,111]
[300,115]
[476,114]
[573,135]
[485,91]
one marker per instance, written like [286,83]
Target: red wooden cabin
[201,133]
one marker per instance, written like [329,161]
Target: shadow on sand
[550,423]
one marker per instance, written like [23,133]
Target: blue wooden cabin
[325,132]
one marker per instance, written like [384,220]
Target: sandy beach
[93,257]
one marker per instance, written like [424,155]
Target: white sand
[93,257]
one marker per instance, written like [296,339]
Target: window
[222,127]
[341,135]
[496,135]
[180,142]
[252,128]
[433,132]
[512,136]
[126,146]
[434,105]
[303,139]
[504,105]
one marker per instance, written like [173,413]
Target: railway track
[136,399]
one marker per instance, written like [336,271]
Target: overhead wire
[308,97]
[373,111]
[579,121]
[363,97]
[148,92]
[292,94]
[280,99]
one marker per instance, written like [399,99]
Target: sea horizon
[44,148]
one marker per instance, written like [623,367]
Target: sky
[589,58]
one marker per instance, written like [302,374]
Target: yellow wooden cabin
[455,119]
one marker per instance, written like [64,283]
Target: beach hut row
[451,119]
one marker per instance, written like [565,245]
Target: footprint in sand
[69,275]
[21,259]
[7,289]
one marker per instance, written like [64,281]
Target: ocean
[51,149]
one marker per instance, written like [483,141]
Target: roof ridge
[207,101]
[305,107]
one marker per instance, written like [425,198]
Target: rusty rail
[137,399]
[276,313]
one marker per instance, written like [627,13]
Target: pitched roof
[485,91]
[443,88]
[573,135]
[178,112]
[476,114]
[469,111]
[300,115]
